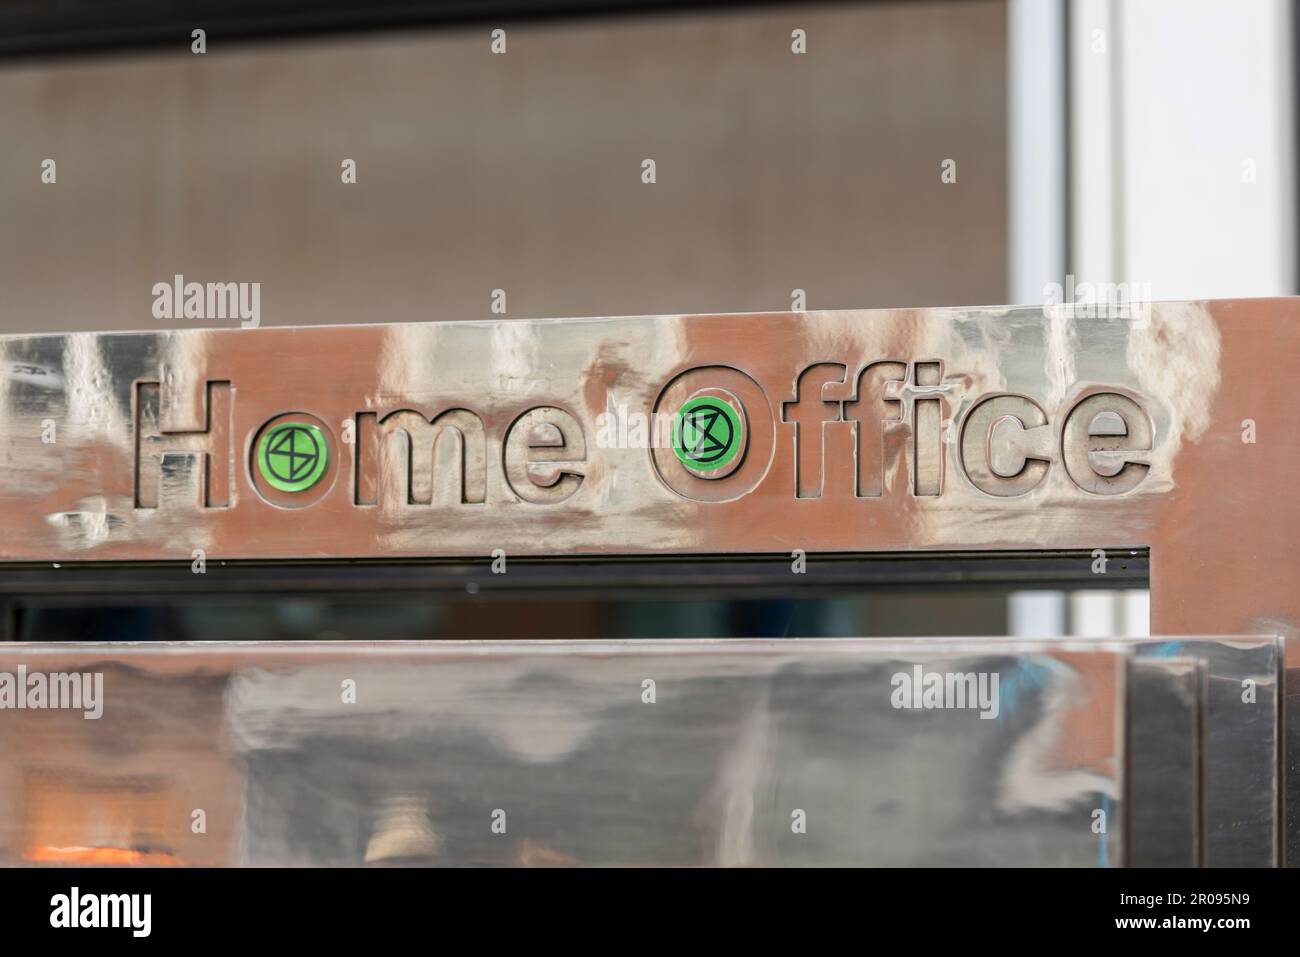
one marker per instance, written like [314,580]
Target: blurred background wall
[519,171]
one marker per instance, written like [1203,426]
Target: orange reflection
[113,856]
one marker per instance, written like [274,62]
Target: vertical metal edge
[1289,759]
[1241,781]
[1164,762]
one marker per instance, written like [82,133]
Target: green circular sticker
[707,433]
[292,456]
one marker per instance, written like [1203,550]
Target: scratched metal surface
[69,407]
[742,734]
[1196,370]
[1216,512]
[78,495]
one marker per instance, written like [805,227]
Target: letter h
[183,454]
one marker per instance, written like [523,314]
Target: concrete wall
[519,171]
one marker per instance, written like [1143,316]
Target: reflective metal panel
[1169,427]
[535,753]
[1165,762]
[856,431]
[1242,754]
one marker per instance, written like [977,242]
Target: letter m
[117,911]
[418,461]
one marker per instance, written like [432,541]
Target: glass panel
[871,613]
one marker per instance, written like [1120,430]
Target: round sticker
[707,433]
[292,456]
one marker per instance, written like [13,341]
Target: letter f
[810,411]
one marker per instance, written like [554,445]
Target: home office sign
[1007,443]
[861,428]
[909,430]
[830,431]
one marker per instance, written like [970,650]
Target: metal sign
[867,430]
[942,429]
